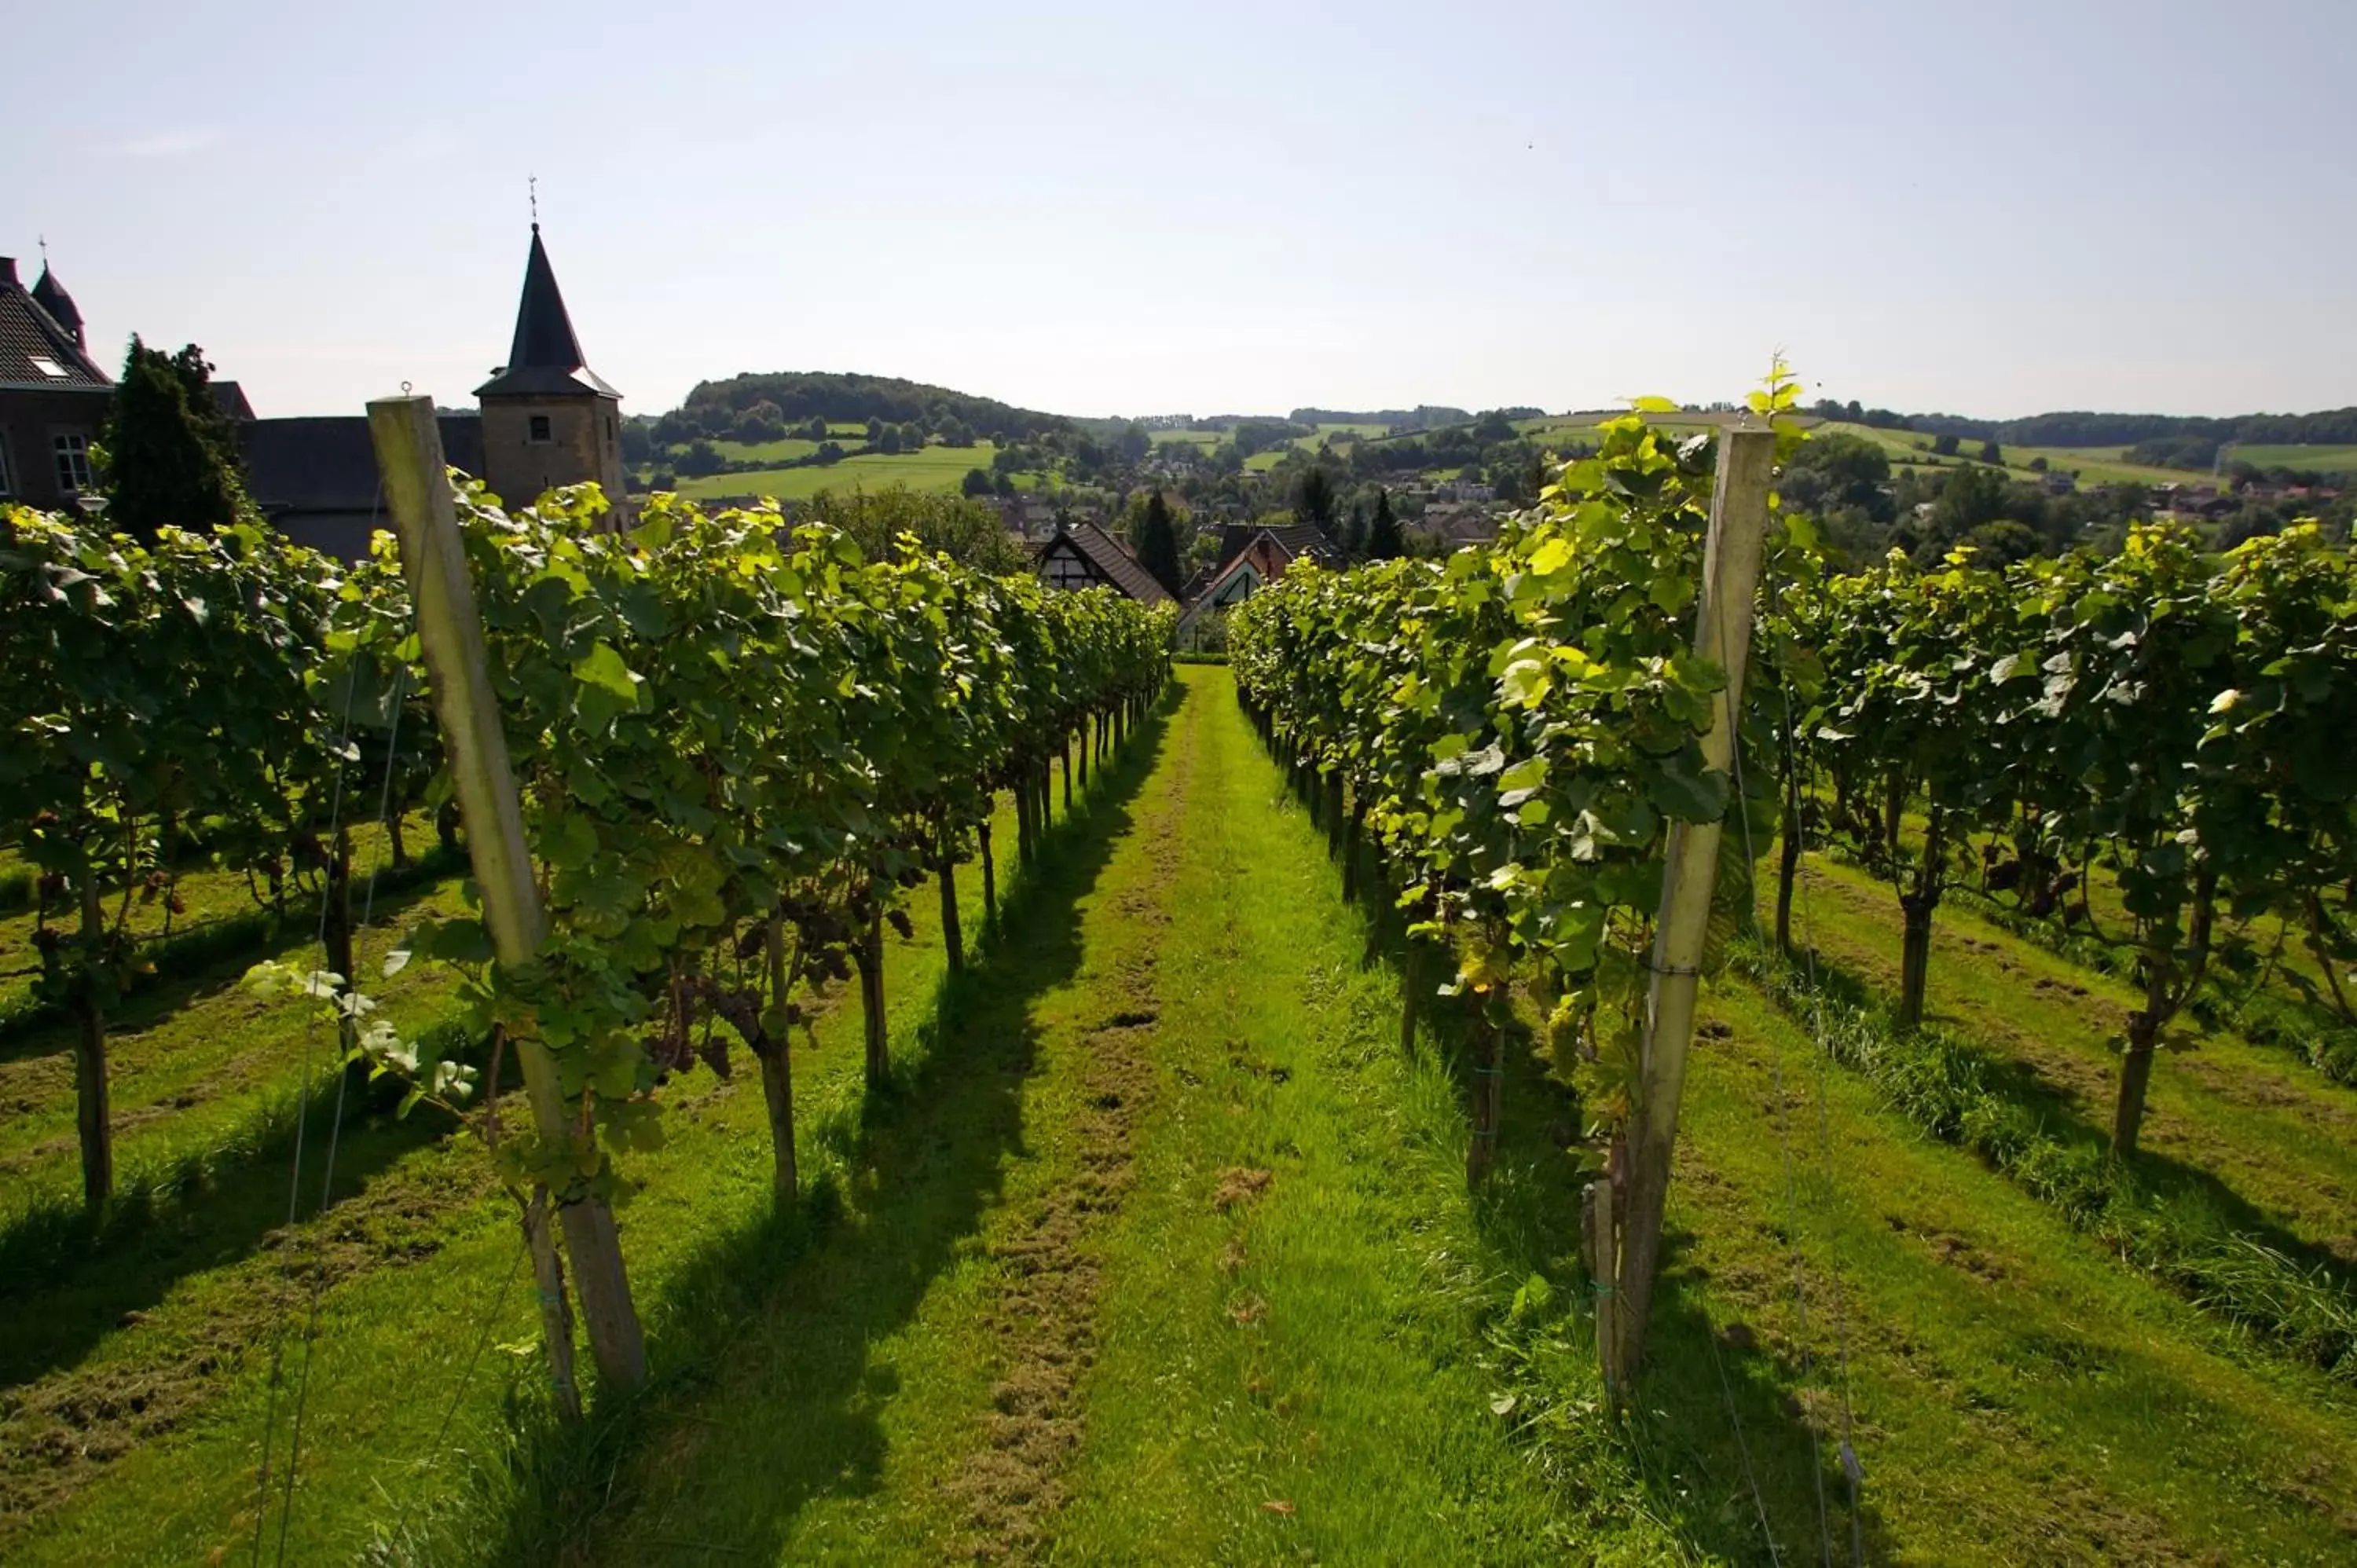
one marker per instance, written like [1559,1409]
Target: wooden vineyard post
[1601,1247]
[1738,522]
[433,559]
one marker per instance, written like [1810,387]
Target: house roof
[230,398]
[29,336]
[1112,562]
[545,361]
[1295,538]
[327,464]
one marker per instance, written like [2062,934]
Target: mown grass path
[1194,1321]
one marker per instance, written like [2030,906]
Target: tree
[1990,453]
[1158,542]
[875,431]
[814,428]
[1132,444]
[1355,532]
[170,454]
[890,441]
[976,483]
[1971,496]
[1313,503]
[638,444]
[1944,445]
[763,422]
[912,436]
[1383,540]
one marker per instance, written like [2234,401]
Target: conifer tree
[1158,542]
[171,455]
[1383,540]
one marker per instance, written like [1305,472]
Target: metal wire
[1853,1472]
[1740,804]
[466,1378]
[294,1176]
[336,1125]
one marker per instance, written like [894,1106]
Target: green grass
[2272,1138]
[1158,1249]
[937,469]
[2342,459]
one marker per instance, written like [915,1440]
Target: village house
[1251,554]
[53,396]
[1083,555]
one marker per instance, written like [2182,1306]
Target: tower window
[537,431]
[7,482]
[74,463]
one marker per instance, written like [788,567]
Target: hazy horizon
[1247,210]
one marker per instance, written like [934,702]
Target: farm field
[936,470]
[2094,464]
[2324,460]
[1161,1238]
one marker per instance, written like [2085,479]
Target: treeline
[712,408]
[2330,428]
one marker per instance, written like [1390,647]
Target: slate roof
[1112,562]
[328,463]
[545,361]
[1295,538]
[230,398]
[27,330]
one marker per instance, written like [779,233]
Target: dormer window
[536,430]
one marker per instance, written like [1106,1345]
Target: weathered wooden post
[433,559]
[1730,571]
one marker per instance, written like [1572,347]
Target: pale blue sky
[1994,209]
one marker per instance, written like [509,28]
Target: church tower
[548,419]
[51,297]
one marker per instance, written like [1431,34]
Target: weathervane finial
[532,185]
[43,240]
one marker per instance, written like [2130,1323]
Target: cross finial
[43,240]
[532,184]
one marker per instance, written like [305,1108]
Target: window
[47,366]
[610,430]
[74,463]
[536,430]
[8,483]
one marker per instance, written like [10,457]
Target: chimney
[8,271]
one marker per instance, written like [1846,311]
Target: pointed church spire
[545,357]
[51,295]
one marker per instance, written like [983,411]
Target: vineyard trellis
[1517,729]
[737,744]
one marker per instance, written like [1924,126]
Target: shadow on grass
[206,959]
[2170,1180]
[765,1396]
[1697,1471]
[70,1278]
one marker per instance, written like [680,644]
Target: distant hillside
[849,398]
[2330,427]
[1425,416]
